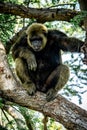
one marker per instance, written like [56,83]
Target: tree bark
[41,15]
[67,113]
[83,6]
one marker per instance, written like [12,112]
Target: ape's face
[37,36]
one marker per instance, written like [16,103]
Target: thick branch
[60,109]
[42,15]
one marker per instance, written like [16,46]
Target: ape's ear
[27,31]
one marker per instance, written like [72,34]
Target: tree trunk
[67,113]
[83,6]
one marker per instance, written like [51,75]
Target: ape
[37,54]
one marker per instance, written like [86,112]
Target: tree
[67,113]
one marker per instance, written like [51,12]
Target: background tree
[14,18]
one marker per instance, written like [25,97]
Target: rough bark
[67,113]
[83,6]
[41,15]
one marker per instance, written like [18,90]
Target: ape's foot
[30,87]
[51,94]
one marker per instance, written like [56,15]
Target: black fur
[50,70]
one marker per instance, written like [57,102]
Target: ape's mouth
[36,44]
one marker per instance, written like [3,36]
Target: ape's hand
[32,64]
[84,50]
[85,59]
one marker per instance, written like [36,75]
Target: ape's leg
[22,72]
[57,79]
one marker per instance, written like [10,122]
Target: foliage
[7,24]
[25,119]
[1,103]
[78,19]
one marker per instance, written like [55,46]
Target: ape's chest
[48,59]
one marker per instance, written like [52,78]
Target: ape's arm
[29,57]
[70,44]
[64,42]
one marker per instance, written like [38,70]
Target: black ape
[38,60]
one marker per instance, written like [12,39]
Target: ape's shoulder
[19,43]
[54,37]
[52,33]
[23,40]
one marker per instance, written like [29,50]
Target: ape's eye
[44,32]
[33,32]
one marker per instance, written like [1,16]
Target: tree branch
[41,15]
[67,113]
